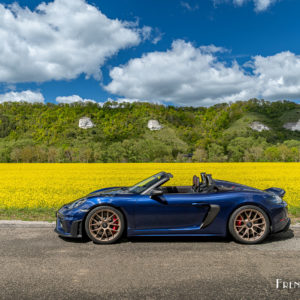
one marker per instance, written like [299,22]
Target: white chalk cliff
[257,126]
[294,126]
[154,125]
[85,123]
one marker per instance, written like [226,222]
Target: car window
[146,183]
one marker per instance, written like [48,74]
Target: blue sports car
[207,207]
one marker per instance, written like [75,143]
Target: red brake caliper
[239,221]
[115,227]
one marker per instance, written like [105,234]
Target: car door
[174,212]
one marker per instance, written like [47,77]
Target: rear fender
[277,191]
[253,204]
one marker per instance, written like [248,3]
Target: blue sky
[163,51]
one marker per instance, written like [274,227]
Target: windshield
[146,183]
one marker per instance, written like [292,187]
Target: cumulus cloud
[260,5]
[60,40]
[73,99]
[186,75]
[278,76]
[24,96]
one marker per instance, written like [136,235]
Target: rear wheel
[249,225]
[104,225]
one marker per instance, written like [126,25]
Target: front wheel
[249,225]
[104,225]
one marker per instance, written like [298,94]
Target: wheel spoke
[114,222]
[254,216]
[246,231]
[258,225]
[95,229]
[104,233]
[241,229]
[254,220]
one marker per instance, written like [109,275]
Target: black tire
[104,225]
[249,224]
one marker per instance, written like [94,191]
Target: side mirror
[156,193]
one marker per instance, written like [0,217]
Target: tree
[200,155]
[254,153]
[238,147]
[216,153]
[86,155]
[28,154]
[52,155]
[15,155]
[272,154]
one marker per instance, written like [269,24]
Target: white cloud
[186,75]
[278,76]
[260,5]
[121,100]
[183,75]
[188,6]
[72,99]
[212,49]
[156,36]
[60,40]
[24,96]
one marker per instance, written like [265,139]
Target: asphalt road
[36,264]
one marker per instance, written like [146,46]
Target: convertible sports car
[149,208]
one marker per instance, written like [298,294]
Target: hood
[109,191]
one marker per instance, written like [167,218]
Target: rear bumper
[67,227]
[280,220]
[284,226]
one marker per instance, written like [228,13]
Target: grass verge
[294,214]
[25,214]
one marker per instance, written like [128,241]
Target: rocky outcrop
[294,126]
[257,126]
[154,125]
[85,123]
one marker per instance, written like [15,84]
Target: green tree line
[220,133]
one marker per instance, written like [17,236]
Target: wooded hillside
[50,133]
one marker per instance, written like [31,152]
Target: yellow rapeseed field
[52,185]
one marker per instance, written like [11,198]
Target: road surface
[36,264]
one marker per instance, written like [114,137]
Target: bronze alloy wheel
[104,225]
[249,225]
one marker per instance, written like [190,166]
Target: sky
[183,53]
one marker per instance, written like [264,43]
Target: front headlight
[276,199]
[77,203]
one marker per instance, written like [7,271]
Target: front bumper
[68,227]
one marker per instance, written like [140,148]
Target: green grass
[290,116]
[294,213]
[25,214]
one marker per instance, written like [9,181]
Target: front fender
[126,207]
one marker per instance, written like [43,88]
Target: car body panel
[176,214]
